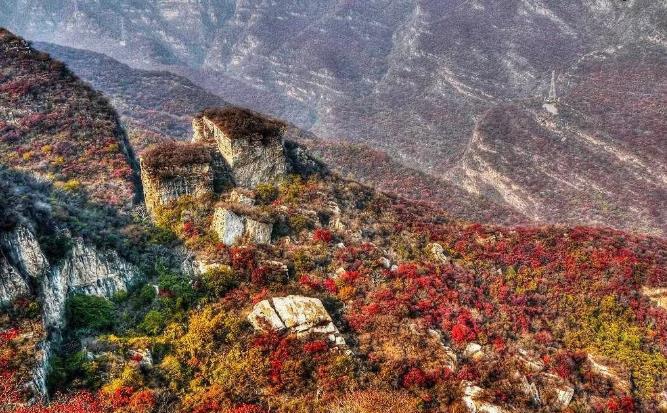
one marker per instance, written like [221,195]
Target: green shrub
[176,287]
[154,322]
[146,295]
[291,189]
[56,246]
[219,281]
[74,371]
[266,193]
[162,236]
[299,223]
[90,312]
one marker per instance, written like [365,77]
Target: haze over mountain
[452,88]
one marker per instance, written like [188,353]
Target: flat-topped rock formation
[250,144]
[173,170]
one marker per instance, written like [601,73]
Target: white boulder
[229,226]
[301,315]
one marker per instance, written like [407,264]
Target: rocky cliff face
[12,283]
[86,270]
[160,189]
[251,160]
[22,263]
[172,171]
[25,271]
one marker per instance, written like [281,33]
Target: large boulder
[229,226]
[301,315]
[472,396]
[232,225]
[618,375]
[258,232]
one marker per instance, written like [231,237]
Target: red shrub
[462,334]
[415,377]
[246,408]
[308,281]
[330,285]
[322,234]
[142,401]
[317,346]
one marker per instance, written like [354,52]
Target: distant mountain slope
[151,104]
[381,71]
[600,160]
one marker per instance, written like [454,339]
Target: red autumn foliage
[322,234]
[415,377]
[330,285]
[316,346]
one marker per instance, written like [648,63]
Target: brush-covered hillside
[251,279]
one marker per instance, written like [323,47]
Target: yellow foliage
[241,372]
[609,329]
[375,401]
[129,377]
[208,329]
[173,370]
[71,185]
[112,148]
[346,292]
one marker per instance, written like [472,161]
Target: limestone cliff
[86,270]
[25,271]
[22,263]
[251,145]
[171,171]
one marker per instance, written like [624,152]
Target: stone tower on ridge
[251,146]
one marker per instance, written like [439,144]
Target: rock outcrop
[471,398]
[12,283]
[229,226]
[233,226]
[297,314]
[22,263]
[250,144]
[25,270]
[657,295]
[86,270]
[172,171]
